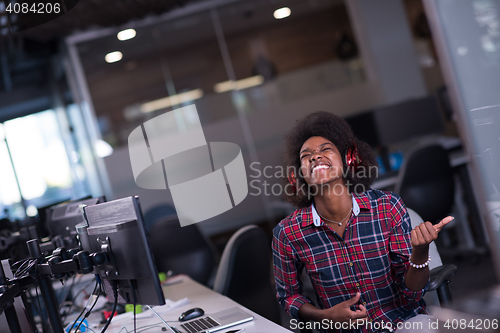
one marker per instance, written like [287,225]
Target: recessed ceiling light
[282,13]
[240,84]
[173,100]
[126,34]
[113,57]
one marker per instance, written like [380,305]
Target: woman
[368,268]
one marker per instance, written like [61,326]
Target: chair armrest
[441,274]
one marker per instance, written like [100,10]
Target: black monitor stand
[81,262]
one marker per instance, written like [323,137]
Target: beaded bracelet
[425,264]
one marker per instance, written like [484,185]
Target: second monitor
[117,227]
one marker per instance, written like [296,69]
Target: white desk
[199,296]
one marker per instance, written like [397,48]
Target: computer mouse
[191,314]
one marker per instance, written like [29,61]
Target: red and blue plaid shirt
[372,258]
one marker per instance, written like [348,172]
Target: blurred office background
[73,89]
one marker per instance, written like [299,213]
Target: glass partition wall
[38,169]
[467,36]
[273,61]
[242,63]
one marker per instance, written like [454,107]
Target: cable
[32,263]
[115,294]
[135,302]
[67,288]
[78,293]
[87,314]
[44,326]
[22,270]
[77,318]
[16,263]
[83,289]
[141,329]
[81,313]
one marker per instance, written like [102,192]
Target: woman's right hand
[342,312]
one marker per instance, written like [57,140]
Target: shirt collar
[317,219]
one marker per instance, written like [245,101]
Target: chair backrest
[183,250]
[426,182]
[157,212]
[244,272]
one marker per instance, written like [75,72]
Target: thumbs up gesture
[424,233]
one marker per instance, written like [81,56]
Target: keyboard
[199,325]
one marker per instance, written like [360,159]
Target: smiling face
[320,161]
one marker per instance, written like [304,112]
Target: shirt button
[357,284]
[350,264]
[364,303]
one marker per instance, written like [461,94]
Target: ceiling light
[240,84]
[31,211]
[126,34]
[282,13]
[102,148]
[113,57]
[166,102]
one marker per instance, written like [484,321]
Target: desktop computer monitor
[407,120]
[364,128]
[118,227]
[62,219]
[397,123]
[42,226]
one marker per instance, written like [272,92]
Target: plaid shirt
[371,258]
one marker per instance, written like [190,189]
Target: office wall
[268,127]
[186,53]
[183,52]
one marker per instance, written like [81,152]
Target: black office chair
[244,272]
[182,250]
[157,212]
[426,182]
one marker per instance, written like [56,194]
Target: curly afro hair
[338,131]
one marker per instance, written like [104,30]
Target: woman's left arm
[421,236]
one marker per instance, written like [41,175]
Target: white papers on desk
[169,305]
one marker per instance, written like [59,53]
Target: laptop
[216,321]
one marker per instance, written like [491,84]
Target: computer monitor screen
[41,218]
[364,128]
[61,219]
[414,118]
[118,227]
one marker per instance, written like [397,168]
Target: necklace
[339,223]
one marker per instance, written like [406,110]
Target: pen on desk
[236,331]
